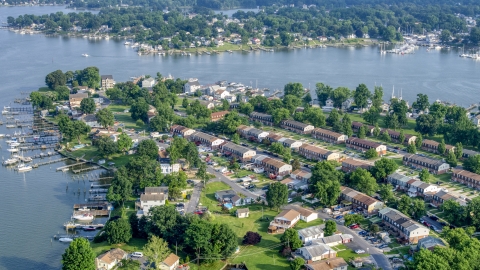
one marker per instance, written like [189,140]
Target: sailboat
[22,167]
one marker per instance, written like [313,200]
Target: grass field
[125,118]
[207,198]
[133,245]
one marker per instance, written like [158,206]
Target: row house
[298,127]
[289,143]
[329,136]
[434,166]
[301,175]
[399,181]
[395,136]
[409,230]
[442,196]
[368,129]
[251,133]
[350,165]
[205,139]
[467,178]
[364,145]
[361,201]
[218,115]
[272,166]
[316,153]
[272,137]
[432,146]
[263,118]
[181,131]
[469,153]
[239,152]
[421,189]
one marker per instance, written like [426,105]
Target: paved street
[195,198]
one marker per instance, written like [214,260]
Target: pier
[86,169]
[36,165]
[71,165]
[71,225]
[98,190]
[99,179]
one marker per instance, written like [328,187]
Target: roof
[242,211]
[401,219]
[358,196]
[274,162]
[314,149]
[356,163]
[152,190]
[219,114]
[289,214]
[296,123]
[430,242]
[470,152]
[225,193]
[232,146]
[152,197]
[430,142]
[205,136]
[256,131]
[302,173]
[330,239]
[364,142]
[112,255]
[327,132]
[311,231]
[260,115]
[76,96]
[304,211]
[468,174]
[90,118]
[428,160]
[318,249]
[399,177]
[171,259]
[193,82]
[329,264]
[104,77]
[150,79]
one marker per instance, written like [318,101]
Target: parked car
[339,217]
[383,246]
[265,188]
[426,224]
[354,226]
[137,254]
[362,233]
[359,251]
[289,200]
[433,217]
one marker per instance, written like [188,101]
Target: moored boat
[84,217]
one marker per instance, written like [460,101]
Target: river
[36,204]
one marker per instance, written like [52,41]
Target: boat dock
[71,165]
[99,179]
[98,190]
[97,198]
[86,169]
[36,165]
[97,213]
[71,225]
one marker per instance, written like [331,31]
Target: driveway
[194,199]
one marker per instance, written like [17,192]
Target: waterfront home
[442,196]
[310,233]
[170,263]
[434,166]
[316,252]
[218,115]
[253,134]
[316,153]
[272,165]
[168,168]
[350,165]
[181,131]
[429,243]
[409,230]
[110,259]
[469,153]
[289,143]
[263,118]
[329,264]
[297,127]
[329,136]
[148,83]
[467,178]
[432,146]
[395,136]
[153,196]
[107,82]
[364,145]
[368,129]
[399,181]
[205,139]
[191,86]
[76,99]
[361,201]
[241,153]
[286,219]
[242,213]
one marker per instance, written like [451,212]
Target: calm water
[36,204]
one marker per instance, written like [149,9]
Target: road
[195,198]
[430,221]
[233,185]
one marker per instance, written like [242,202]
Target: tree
[287,155]
[372,115]
[290,238]
[374,228]
[418,209]
[90,77]
[325,182]
[245,108]
[386,192]
[361,95]
[377,98]
[297,263]
[404,205]
[383,168]
[280,114]
[124,142]
[62,92]
[118,231]
[185,103]
[139,109]
[411,148]
[315,116]
[376,131]
[236,138]
[442,147]
[340,95]
[363,181]
[121,187]
[106,146]
[426,124]
[424,175]
[202,172]
[55,79]
[353,219]
[330,227]
[333,117]
[451,159]
[385,136]
[401,137]
[295,89]
[391,121]
[445,36]
[418,141]
[458,150]
[78,255]
[472,164]
[296,164]
[277,195]
[361,132]
[371,153]
[347,125]
[421,103]
[87,105]
[307,98]
[156,250]
[277,147]
[148,148]
[251,238]
[105,118]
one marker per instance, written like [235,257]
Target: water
[36,204]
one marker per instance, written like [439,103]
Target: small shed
[243,213]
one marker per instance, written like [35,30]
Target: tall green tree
[372,115]
[458,150]
[55,79]
[472,164]
[340,95]
[148,148]
[361,132]
[325,182]
[421,103]
[295,89]
[418,141]
[401,137]
[363,181]
[377,98]
[124,142]
[386,192]
[353,219]
[347,125]
[277,195]
[376,131]
[290,238]
[371,153]
[90,77]
[280,114]
[78,255]
[118,231]
[87,105]
[330,227]
[451,159]
[411,148]
[442,147]
[297,263]
[424,175]
[361,95]
[121,187]
[156,250]
[333,117]
[105,118]
[383,168]
[106,146]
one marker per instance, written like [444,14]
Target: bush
[251,238]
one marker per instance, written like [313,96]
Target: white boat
[85,55]
[10,126]
[65,240]
[23,168]
[14,144]
[13,150]
[2,135]
[10,161]
[84,217]
[36,137]
[126,43]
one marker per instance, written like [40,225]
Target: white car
[359,251]
[289,200]
[137,254]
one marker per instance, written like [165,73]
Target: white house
[170,263]
[221,94]
[316,252]
[191,86]
[153,196]
[293,144]
[168,168]
[110,259]
[310,233]
[306,214]
[148,83]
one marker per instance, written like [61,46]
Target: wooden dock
[97,213]
[71,165]
[36,165]
[86,169]
[99,179]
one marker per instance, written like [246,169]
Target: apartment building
[434,166]
[181,131]
[350,165]
[205,139]
[239,152]
[432,146]
[297,127]
[329,136]
[395,136]
[467,178]
[317,153]
[263,118]
[271,165]
[409,230]
[361,201]
[216,116]
[364,145]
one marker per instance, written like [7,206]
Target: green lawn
[349,254]
[91,152]
[207,198]
[302,224]
[135,244]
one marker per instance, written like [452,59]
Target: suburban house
[289,143]
[239,152]
[168,168]
[476,120]
[251,133]
[306,215]
[350,165]
[421,189]
[329,136]
[76,99]
[467,178]
[243,213]
[294,184]
[218,115]
[148,83]
[263,118]
[409,230]
[205,139]
[271,165]
[399,181]
[286,219]
[191,86]
[310,233]
[334,240]
[329,264]
[368,129]
[432,146]
[429,243]
[225,195]
[297,127]
[442,196]
[210,105]
[153,196]
[181,131]
[364,145]
[316,252]
[469,153]
[151,113]
[434,166]
[361,201]
[316,153]
[395,136]
[110,259]
[301,175]
[272,137]
[107,82]
[91,121]
[170,263]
